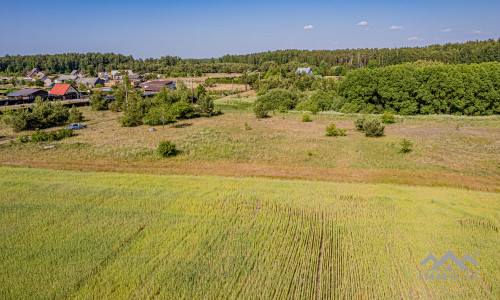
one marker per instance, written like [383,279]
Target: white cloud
[362,23]
[308,27]
[395,27]
[477,32]
[413,38]
[446,30]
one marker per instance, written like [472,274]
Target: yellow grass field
[105,235]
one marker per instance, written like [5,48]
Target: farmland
[138,236]
[314,217]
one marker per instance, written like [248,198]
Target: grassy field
[66,234]
[448,150]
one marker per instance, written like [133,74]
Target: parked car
[76,126]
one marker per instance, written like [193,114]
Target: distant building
[117,75]
[307,71]
[157,85]
[75,73]
[63,91]
[27,94]
[64,78]
[31,74]
[89,82]
[135,78]
[47,82]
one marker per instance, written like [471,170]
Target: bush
[247,127]
[373,127]
[75,116]
[278,97]
[406,146]
[332,130]
[166,149]
[282,109]
[306,118]
[387,118]
[183,110]
[62,134]
[42,115]
[359,122]
[260,110]
[23,139]
[42,136]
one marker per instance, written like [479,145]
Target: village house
[116,74]
[307,71]
[64,92]
[28,94]
[64,78]
[90,82]
[157,85]
[31,74]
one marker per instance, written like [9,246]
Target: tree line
[324,62]
[463,89]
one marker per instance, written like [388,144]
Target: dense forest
[325,62]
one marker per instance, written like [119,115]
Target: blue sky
[200,29]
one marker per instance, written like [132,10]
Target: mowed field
[67,234]
[448,151]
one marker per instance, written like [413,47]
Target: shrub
[62,134]
[359,122]
[166,149]
[282,109]
[387,118]
[373,127]
[278,97]
[41,136]
[306,118]
[260,110]
[75,116]
[247,127]
[332,130]
[183,110]
[406,146]
[23,139]
[98,86]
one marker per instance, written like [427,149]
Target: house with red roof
[64,92]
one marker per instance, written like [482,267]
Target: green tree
[39,82]
[75,115]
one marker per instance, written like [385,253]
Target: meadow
[82,235]
[448,151]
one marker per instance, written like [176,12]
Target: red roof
[59,89]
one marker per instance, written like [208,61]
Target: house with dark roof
[64,78]
[28,94]
[31,74]
[157,85]
[89,82]
[64,92]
